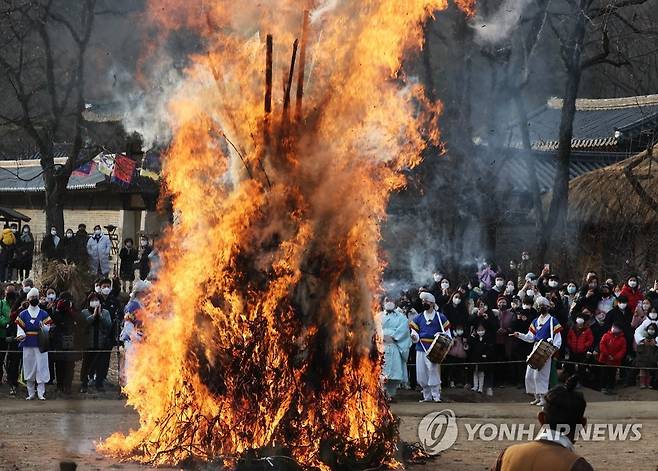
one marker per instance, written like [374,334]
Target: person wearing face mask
[551,292]
[128,256]
[144,263]
[393,329]
[6,304]
[524,315]
[24,254]
[510,290]
[640,313]
[80,239]
[7,248]
[99,336]
[35,364]
[498,289]
[481,352]
[68,246]
[47,303]
[458,353]
[632,292]
[110,303]
[504,318]
[612,351]
[456,309]
[647,356]
[547,328]
[579,341]
[570,296]
[589,295]
[641,330]
[424,328]
[66,326]
[98,249]
[606,303]
[51,245]
[14,354]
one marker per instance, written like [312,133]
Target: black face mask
[34,302]
[427,306]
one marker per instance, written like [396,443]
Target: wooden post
[268,89]
[286,97]
[302,66]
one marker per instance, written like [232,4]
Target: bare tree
[42,72]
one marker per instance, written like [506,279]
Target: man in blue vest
[424,328]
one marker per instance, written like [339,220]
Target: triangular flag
[105,163]
[124,169]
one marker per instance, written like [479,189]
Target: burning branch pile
[259,331]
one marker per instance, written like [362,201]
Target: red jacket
[579,341]
[634,296]
[612,345]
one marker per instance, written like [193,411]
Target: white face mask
[445,285]
[500,283]
[552,284]
[106,291]
[456,301]
[580,321]
[481,333]
[571,289]
[53,233]
[530,293]
[622,306]
[632,284]
[526,306]
[515,305]
[97,232]
[51,297]
[524,257]
[653,316]
[94,304]
[459,332]
[26,289]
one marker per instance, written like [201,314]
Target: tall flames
[259,330]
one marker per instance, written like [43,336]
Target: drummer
[536,381]
[424,328]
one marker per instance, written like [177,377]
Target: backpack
[8,237]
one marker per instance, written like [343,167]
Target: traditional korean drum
[541,352]
[439,348]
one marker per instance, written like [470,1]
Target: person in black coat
[68,246]
[65,334]
[456,309]
[144,263]
[481,351]
[589,295]
[24,253]
[79,252]
[128,256]
[51,245]
[521,349]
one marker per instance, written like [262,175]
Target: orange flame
[258,332]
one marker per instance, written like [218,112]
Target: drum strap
[551,326]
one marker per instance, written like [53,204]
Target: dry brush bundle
[67,276]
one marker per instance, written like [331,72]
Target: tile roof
[26,176]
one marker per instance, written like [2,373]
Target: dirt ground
[37,435]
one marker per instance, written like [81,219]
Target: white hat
[140,286]
[389,306]
[425,296]
[33,293]
[542,301]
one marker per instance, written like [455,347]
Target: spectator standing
[458,353]
[579,341]
[128,256]
[68,246]
[145,249]
[7,247]
[80,240]
[612,351]
[13,354]
[51,246]
[98,248]
[396,342]
[66,325]
[481,351]
[632,292]
[35,363]
[99,338]
[504,343]
[24,253]
[6,304]
[640,313]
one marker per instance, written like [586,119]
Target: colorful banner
[105,163]
[85,169]
[124,170]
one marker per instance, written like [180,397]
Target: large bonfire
[289,134]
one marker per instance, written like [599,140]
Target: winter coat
[24,252]
[612,346]
[99,254]
[128,257]
[634,296]
[457,315]
[598,330]
[49,250]
[145,263]
[457,350]
[65,333]
[647,356]
[69,249]
[580,340]
[99,329]
[79,251]
[481,350]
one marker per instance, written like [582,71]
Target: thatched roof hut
[625,192]
[613,213]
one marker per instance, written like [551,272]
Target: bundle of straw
[67,276]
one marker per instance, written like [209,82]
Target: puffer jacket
[580,340]
[612,345]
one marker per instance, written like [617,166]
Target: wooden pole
[302,66]
[268,88]
[286,98]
